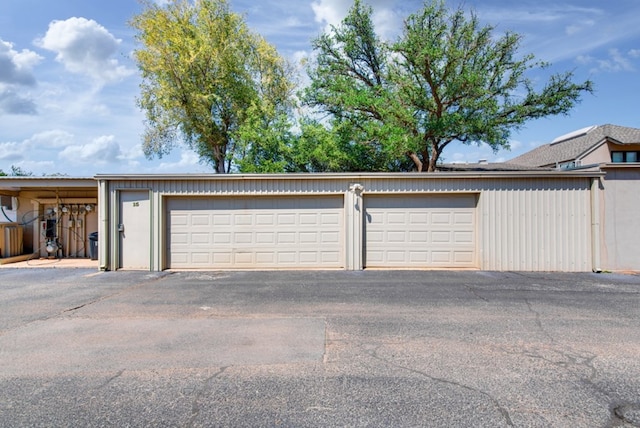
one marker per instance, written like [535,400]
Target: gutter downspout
[595,225]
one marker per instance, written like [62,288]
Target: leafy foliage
[16,171]
[207,80]
[447,78]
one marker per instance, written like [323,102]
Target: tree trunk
[433,159]
[416,160]
[218,157]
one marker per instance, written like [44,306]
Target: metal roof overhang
[12,186]
[353,176]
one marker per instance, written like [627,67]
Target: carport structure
[503,220]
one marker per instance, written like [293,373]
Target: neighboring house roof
[575,145]
[484,166]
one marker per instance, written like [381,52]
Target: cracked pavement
[319,348]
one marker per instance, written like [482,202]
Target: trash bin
[93,245]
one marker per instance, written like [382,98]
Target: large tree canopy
[207,80]
[447,78]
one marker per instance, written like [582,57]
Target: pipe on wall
[595,224]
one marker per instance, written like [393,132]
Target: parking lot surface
[318,348]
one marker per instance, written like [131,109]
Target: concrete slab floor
[52,263]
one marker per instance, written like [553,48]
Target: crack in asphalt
[89,303]
[539,321]
[572,358]
[619,415]
[119,292]
[195,404]
[503,411]
[111,379]
[475,293]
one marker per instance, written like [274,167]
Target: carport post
[103,224]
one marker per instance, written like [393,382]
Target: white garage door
[256,232]
[420,231]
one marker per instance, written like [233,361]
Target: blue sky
[68,83]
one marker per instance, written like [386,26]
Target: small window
[624,157]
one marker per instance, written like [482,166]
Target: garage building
[503,220]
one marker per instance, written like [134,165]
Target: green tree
[206,79]
[337,148]
[447,78]
[16,171]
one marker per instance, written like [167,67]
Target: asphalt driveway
[319,348]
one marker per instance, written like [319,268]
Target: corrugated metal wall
[535,225]
[526,222]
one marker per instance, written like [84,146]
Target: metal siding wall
[523,224]
[621,229]
[536,225]
[230,187]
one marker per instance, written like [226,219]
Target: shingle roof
[574,145]
[497,166]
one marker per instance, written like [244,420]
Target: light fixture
[88,207]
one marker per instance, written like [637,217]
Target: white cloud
[16,72]
[188,159]
[543,14]
[13,103]
[330,12]
[516,145]
[11,151]
[585,59]
[53,139]
[634,53]
[101,150]
[85,47]
[37,167]
[579,27]
[616,62]
[132,153]
[16,67]
[388,23]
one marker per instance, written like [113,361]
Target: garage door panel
[179,220]
[330,219]
[441,237]
[418,218]
[441,219]
[180,238]
[286,238]
[420,231]
[463,257]
[243,220]
[463,237]
[267,232]
[330,237]
[418,256]
[286,219]
[419,236]
[218,220]
[463,218]
[439,257]
[201,238]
